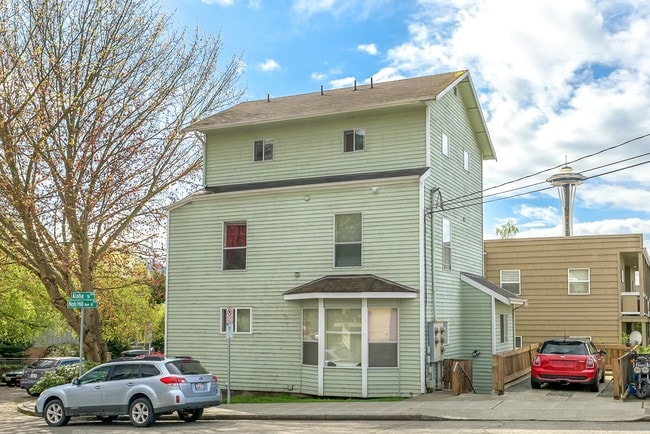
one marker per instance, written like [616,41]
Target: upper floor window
[242,320]
[354,140]
[466,160]
[263,150]
[234,246]
[579,281]
[347,240]
[445,145]
[511,280]
[446,244]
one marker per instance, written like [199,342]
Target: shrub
[62,375]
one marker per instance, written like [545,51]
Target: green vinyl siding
[476,335]
[314,148]
[290,242]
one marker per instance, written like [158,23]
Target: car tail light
[537,361]
[591,362]
[214,378]
[172,379]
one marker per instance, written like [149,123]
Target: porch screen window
[446,244]
[354,140]
[234,246]
[343,337]
[510,280]
[579,281]
[310,337]
[347,240]
[382,337]
[242,320]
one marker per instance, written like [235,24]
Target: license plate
[32,375]
[199,386]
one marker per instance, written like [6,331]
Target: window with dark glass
[310,337]
[354,140]
[263,150]
[347,240]
[234,246]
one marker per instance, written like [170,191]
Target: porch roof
[350,286]
[494,291]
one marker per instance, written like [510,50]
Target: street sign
[83,296]
[229,331]
[229,315]
[79,304]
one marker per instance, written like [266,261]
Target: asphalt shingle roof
[363,97]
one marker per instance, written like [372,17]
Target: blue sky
[558,81]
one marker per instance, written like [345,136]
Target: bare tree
[94,96]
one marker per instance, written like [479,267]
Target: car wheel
[593,386]
[190,415]
[141,413]
[54,413]
[534,384]
[107,419]
[602,377]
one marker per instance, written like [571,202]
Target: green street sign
[80,304]
[83,296]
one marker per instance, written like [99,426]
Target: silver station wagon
[142,388]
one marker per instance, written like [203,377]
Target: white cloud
[318,76]
[342,82]
[269,65]
[368,48]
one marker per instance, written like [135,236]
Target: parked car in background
[568,361]
[13,378]
[141,388]
[39,367]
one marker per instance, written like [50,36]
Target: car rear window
[43,364]
[575,348]
[186,367]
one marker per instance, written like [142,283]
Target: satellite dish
[635,338]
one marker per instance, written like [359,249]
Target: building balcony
[631,304]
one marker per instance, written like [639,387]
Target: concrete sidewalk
[523,403]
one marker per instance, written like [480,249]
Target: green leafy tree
[507,230]
[94,99]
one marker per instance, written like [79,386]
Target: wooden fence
[511,365]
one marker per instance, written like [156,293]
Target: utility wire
[481,192]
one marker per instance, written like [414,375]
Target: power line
[473,196]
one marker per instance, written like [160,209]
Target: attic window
[263,150]
[354,140]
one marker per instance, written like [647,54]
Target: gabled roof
[354,99]
[350,286]
[494,291]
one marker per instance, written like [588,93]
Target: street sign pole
[81,342]
[229,333]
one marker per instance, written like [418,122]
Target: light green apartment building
[328,252]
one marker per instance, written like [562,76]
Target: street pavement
[518,403]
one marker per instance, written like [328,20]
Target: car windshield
[43,363]
[186,367]
[575,348]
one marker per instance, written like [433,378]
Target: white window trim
[466,160]
[445,145]
[334,243]
[354,135]
[264,143]
[222,313]
[569,281]
[504,326]
[518,282]
[223,245]
[444,266]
